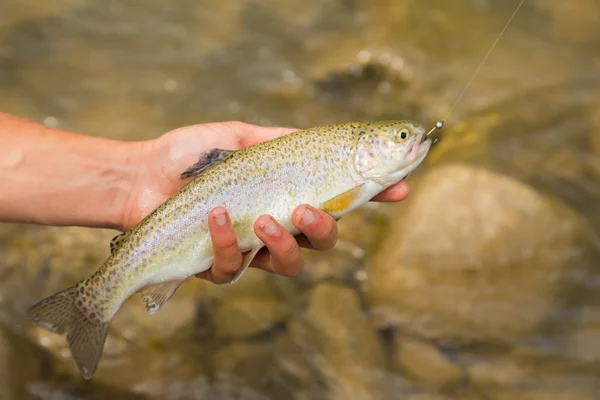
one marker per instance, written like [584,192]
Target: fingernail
[269,227]
[308,217]
[220,218]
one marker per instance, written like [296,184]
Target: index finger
[397,192]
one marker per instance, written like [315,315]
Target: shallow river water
[482,285]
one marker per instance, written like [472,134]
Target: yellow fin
[158,294]
[343,202]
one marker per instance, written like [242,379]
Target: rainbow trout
[336,168]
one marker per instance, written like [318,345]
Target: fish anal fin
[157,295]
[343,202]
[206,159]
[116,241]
[245,264]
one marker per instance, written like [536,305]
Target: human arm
[53,177]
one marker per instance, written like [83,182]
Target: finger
[285,256]
[397,192]
[227,255]
[319,227]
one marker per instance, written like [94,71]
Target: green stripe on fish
[336,168]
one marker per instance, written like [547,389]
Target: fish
[336,168]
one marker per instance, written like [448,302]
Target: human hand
[169,155]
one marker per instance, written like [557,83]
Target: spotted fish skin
[336,168]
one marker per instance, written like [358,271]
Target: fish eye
[403,135]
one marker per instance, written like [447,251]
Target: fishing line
[440,124]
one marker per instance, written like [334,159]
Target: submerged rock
[341,263]
[341,340]
[21,364]
[595,142]
[253,305]
[246,360]
[424,362]
[427,396]
[244,316]
[547,391]
[197,388]
[503,372]
[477,256]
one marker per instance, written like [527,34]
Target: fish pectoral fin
[343,202]
[157,295]
[208,158]
[245,264]
[116,241]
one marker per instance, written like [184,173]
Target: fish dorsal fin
[157,295]
[116,241]
[340,204]
[208,158]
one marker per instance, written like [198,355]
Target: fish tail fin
[65,312]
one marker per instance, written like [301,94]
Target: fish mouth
[419,147]
[417,153]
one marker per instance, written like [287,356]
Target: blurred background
[482,285]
